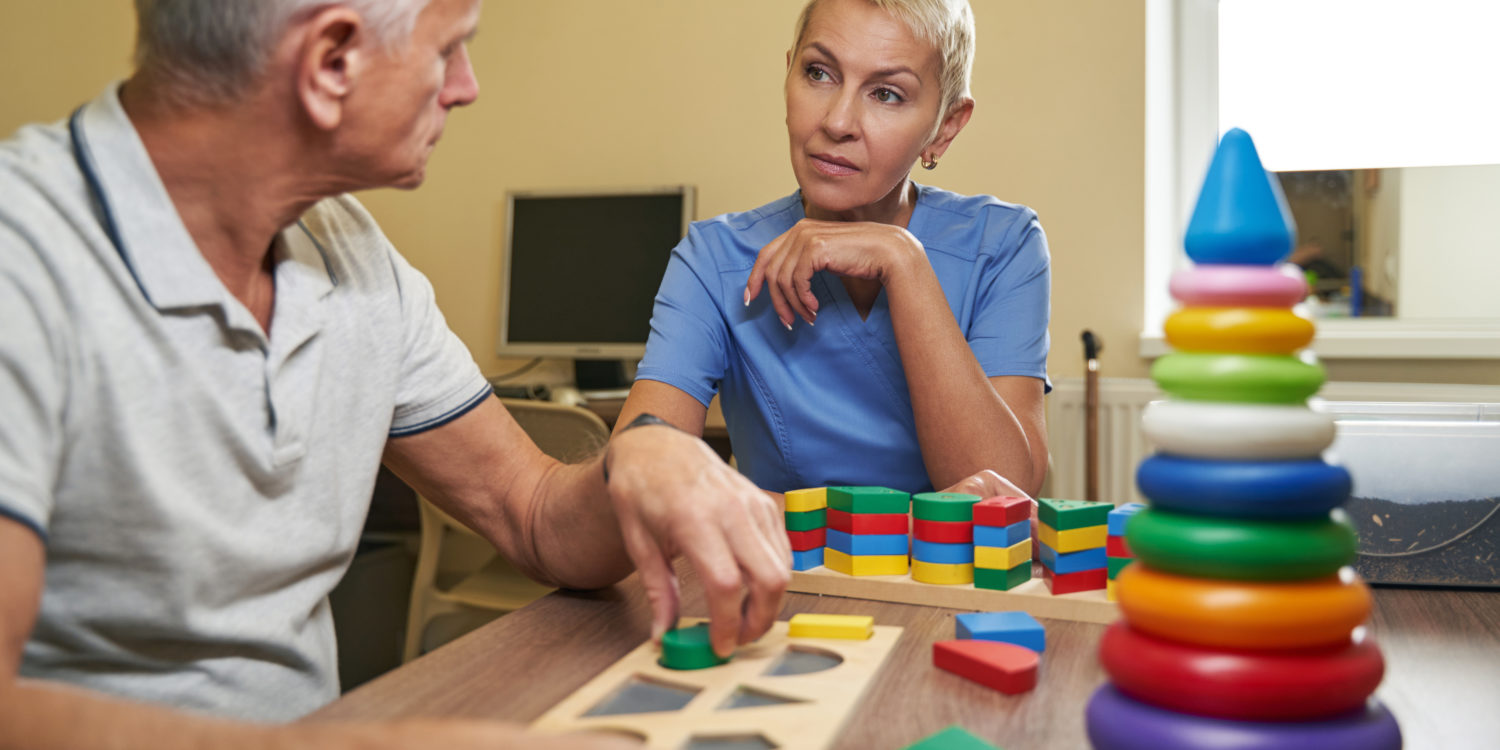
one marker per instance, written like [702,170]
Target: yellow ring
[943,573]
[1238,330]
[1243,614]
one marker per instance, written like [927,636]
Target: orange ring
[1243,614]
[1238,330]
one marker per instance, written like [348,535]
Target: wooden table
[1442,651]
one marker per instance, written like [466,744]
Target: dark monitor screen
[582,270]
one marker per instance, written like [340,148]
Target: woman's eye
[815,73]
[887,96]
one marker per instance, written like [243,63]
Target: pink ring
[1237,286]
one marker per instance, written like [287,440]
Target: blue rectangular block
[1002,536]
[867,544]
[1120,515]
[807,559]
[941,552]
[1019,628]
[1073,562]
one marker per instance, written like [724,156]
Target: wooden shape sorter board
[740,700]
[1032,596]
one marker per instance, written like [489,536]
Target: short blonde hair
[947,25]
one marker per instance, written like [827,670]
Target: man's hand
[988,483]
[673,495]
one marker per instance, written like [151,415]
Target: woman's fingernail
[788,325]
[747,296]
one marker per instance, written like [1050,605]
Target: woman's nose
[841,121]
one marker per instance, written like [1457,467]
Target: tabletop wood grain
[1442,650]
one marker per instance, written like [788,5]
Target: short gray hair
[214,49]
[947,25]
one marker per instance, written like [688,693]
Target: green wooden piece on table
[944,506]
[1117,564]
[868,500]
[952,738]
[688,648]
[1238,378]
[1002,580]
[1241,549]
[806,520]
[1072,514]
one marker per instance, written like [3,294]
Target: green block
[688,648]
[944,506]
[1002,580]
[868,500]
[952,738]
[1117,564]
[806,520]
[1063,515]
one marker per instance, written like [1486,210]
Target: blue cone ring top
[1243,489]
[1241,216]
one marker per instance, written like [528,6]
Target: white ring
[1248,431]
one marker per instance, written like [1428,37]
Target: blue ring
[1116,722]
[942,552]
[1304,488]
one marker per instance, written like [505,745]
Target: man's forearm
[574,533]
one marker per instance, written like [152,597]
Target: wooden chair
[459,576]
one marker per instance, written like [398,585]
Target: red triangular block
[1002,666]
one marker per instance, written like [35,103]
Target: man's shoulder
[37,169]
[349,239]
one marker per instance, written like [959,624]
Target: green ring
[1240,378]
[688,648]
[1241,549]
[944,506]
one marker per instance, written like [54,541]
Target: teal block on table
[952,738]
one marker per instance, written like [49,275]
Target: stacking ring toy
[1241,330]
[1237,286]
[1239,378]
[1307,488]
[1263,685]
[1241,550]
[1117,722]
[1208,430]
[1241,614]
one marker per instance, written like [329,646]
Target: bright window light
[1353,84]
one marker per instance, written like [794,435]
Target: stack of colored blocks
[1241,620]
[867,528]
[1072,534]
[942,549]
[806,526]
[1115,548]
[1002,543]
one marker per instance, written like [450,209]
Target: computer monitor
[581,270]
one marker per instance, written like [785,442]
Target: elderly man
[208,349]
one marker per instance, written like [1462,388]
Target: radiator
[1122,445]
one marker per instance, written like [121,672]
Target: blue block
[1002,536]
[867,544]
[941,552]
[1241,215]
[1120,515]
[1072,562]
[807,559]
[1019,628]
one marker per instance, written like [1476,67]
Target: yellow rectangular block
[848,627]
[1072,540]
[1002,558]
[801,501]
[947,574]
[864,565]
[1109,591]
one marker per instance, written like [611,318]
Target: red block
[1001,666]
[868,523]
[1069,583]
[1114,546]
[806,540]
[1002,511]
[947,532]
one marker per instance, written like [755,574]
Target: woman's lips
[832,165]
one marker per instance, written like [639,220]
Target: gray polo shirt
[199,486]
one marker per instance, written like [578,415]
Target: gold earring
[929,164]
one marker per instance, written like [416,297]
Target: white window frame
[1182,102]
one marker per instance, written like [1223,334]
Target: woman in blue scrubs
[865,330]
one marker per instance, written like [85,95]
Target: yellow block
[801,501]
[1072,540]
[864,565]
[848,627]
[1109,591]
[1002,558]
[943,573]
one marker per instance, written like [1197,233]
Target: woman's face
[862,100]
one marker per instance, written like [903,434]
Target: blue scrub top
[828,405]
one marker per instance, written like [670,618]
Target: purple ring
[1116,722]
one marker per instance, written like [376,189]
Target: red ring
[946,532]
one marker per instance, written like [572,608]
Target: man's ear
[957,117]
[330,59]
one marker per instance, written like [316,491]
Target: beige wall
[599,93]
